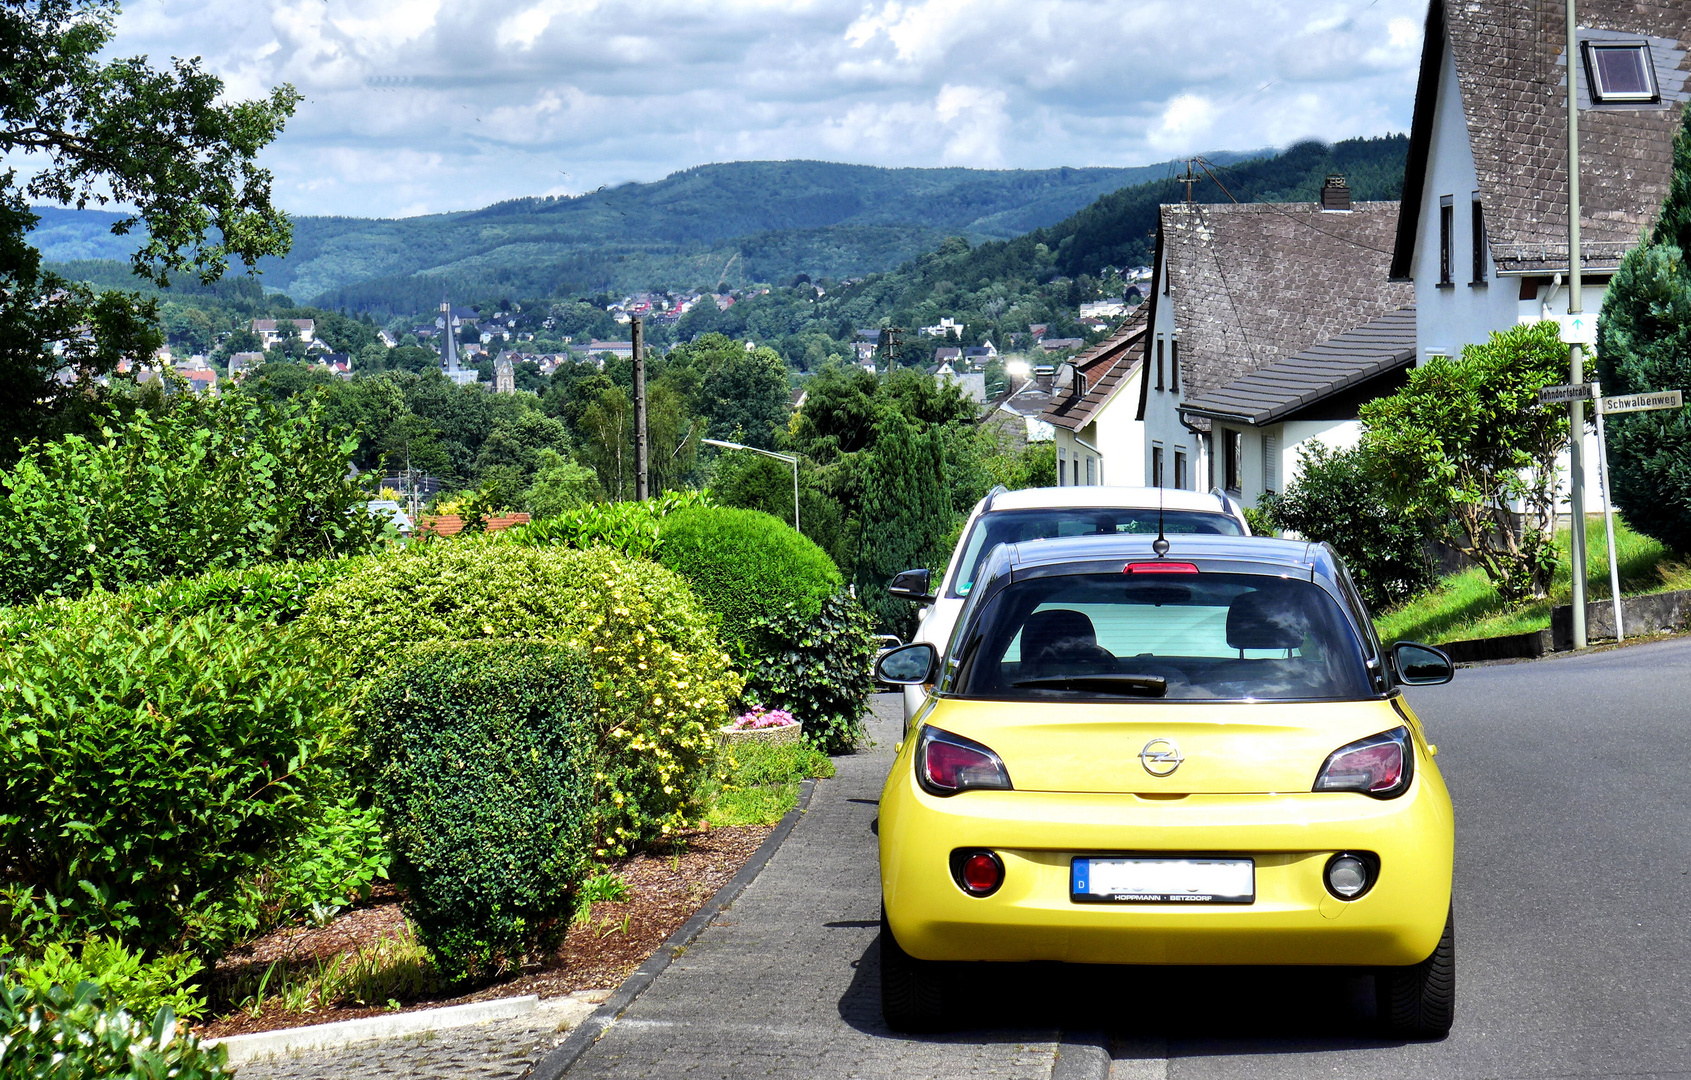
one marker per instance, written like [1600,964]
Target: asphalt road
[1572,783]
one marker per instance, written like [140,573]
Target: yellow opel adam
[1194,757]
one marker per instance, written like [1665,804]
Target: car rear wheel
[1419,1002]
[913,992]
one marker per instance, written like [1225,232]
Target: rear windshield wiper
[1142,685]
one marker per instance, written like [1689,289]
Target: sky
[420,106]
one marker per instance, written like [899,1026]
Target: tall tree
[906,514]
[1644,344]
[118,131]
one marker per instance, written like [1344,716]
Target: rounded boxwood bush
[485,774]
[744,564]
[662,682]
[149,762]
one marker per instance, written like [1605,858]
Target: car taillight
[947,764]
[1380,765]
[978,873]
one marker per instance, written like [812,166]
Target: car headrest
[1266,619]
[1045,629]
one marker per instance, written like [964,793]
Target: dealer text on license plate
[1162,881]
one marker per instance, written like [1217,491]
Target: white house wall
[1447,317]
[1162,426]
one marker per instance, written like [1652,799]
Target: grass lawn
[758,783]
[1465,605]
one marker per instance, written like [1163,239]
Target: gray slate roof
[1258,283]
[1512,73]
[1279,390]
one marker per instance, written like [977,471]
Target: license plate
[1162,881]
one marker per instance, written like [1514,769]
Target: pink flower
[758,718]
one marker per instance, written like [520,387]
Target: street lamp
[791,459]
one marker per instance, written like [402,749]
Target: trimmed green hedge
[663,683]
[148,762]
[485,776]
[819,669]
[745,563]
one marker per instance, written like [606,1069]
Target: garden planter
[729,738]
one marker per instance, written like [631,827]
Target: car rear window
[1016,526]
[1185,637]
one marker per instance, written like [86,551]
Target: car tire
[1419,1001]
[913,992]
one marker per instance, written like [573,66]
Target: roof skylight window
[1620,71]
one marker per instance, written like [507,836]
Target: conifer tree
[1644,345]
[907,515]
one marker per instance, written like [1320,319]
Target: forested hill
[741,222]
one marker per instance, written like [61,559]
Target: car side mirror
[911,585]
[1421,665]
[908,665]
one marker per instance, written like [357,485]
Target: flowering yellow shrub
[663,682]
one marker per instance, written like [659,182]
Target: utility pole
[1189,179]
[641,477]
[1576,360]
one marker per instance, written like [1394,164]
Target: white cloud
[427,106]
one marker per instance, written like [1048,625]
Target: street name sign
[1561,395]
[1580,328]
[1671,399]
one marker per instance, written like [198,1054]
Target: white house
[1263,422]
[1092,412]
[1484,230]
[1240,288]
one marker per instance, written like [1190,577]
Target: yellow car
[1142,755]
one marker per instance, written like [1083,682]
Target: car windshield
[1015,526]
[1168,637]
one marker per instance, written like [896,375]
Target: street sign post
[1621,403]
[1561,395]
[1672,399]
[1579,328]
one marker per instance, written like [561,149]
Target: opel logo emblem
[1160,757]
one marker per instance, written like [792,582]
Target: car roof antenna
[1160,544]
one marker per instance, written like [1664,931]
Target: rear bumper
[1294,920]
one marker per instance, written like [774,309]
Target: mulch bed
[664,890]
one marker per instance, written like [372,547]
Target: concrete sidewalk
[785,983]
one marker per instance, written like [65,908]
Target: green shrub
[68,1034]
[663,681]
[628,527]
[1335,500]
[743,563]
[208,484]
[334,862]
[147,764]
[818,669]
[486,761]
[123,979]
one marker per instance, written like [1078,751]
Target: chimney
[1335,193]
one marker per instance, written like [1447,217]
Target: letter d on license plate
[1162,881]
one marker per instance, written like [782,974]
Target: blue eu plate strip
[1080,868]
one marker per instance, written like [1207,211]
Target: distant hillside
[743,222]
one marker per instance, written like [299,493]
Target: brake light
[1380,765]
[1160,567]
[947,764]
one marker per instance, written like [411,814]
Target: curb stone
[1081,1055]
[369,1028]
[555,1064]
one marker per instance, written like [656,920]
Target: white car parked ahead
[1013,517]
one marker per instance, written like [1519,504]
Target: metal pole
[795,494]
[1608,509]
[641,488]
[1576,367]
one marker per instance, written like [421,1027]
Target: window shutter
[1270,462]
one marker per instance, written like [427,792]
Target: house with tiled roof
[1093,413]
[1483,235]
[1239,288]
[1278,411]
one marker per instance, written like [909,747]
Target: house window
[1270,462]
[1062,466]
[1159,363]
[1478,223]
[1233,449]
[1447,224]
[1620,71]
[1174,364]
[1209,459]
[1156,465]
[1180,468]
